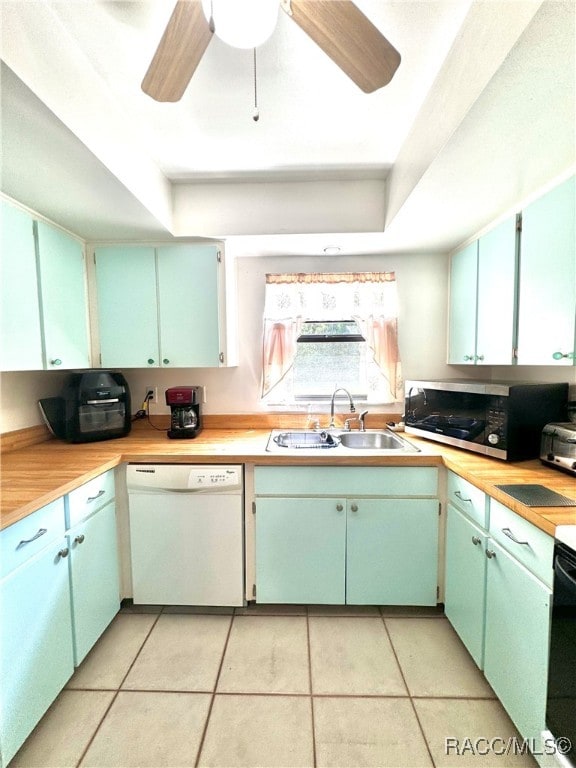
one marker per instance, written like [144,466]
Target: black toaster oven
[94,405]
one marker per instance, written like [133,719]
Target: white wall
[422,285]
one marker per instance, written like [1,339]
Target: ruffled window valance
[369,298]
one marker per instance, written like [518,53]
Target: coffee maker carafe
[185,418]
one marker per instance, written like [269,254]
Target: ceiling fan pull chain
[256,113]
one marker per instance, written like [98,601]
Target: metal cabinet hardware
[354,507]
[339,507]
[508,532]
[41,532]
[560,355]
[79,539]
[476,540]
[459,494]
[63,552]
[56,361]
[490,553]
[165,361]
[100,493]
[150,361]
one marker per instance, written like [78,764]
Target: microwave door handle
[563,573]
[103,402]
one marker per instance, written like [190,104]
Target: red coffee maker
[185,419]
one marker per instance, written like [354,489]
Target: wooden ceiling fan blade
[349,38]
[183,43]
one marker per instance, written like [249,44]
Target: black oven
[561,701]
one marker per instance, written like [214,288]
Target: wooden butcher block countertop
[37,473]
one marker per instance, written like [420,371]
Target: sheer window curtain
[369,298]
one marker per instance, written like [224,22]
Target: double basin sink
[382,441]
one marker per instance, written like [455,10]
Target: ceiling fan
[339,27]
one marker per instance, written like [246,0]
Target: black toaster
[558,446]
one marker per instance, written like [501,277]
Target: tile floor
[272,686]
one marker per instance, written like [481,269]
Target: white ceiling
[479,115]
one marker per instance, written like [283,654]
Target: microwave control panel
[496,422]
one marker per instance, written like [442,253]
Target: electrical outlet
[154,390]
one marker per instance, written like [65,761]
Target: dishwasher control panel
[209,478]
[214,477]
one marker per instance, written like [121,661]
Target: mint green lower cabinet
[516,644]
[464,599]
[36,657]
[94,578]
[392,552]
[300,550]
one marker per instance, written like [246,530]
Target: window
[323,331]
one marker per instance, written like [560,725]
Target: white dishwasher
[186,534]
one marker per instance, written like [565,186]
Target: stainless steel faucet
[359,419]
[352,408]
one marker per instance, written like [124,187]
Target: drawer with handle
[527,543]
[89,498]
[21,541]
[467,498]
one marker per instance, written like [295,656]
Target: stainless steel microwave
[497,418]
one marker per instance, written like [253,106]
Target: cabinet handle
[468,358]
[490,553]
[63,552]
[479,357]
[339,507]
[56,361]
[354,507]
[508,532]
[41,532]
[459,494]
[476,540]
[150,361]
[221,357]
[79,539]
[90,499]
[165,361]
[560,355]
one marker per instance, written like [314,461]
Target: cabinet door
[20,335]
[392,552]
[463,294]
[189,305]
[63,299]
[127,307]
[36,657]
[516,642]
[300,550]
[547,304]
[497,267]
[94,578]
[464,600]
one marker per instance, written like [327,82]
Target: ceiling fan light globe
[242,23]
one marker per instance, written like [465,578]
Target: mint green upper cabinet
[127,307]
[516,643]
[20,332]
[463,292]
[159,306]
[392,552]
[189,305]
[483,299]
[63,299]
[547,304]
[300,550]
[496,307]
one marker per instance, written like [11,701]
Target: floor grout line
[109,707]
[216,681]
[410,697]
